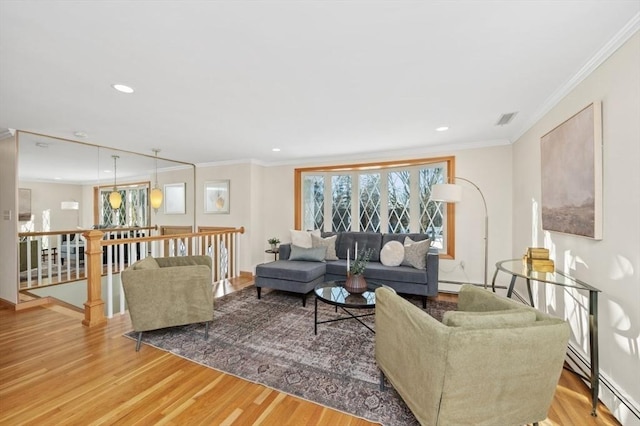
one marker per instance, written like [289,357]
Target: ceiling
[229,81]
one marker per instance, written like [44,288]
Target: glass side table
[517,268]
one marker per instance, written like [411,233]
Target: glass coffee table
[334,293]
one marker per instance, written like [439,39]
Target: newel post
[94,306]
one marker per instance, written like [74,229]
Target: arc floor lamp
[452,193]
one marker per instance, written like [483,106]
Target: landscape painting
[571,158]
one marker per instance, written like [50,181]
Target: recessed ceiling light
[276,150]
[442,129]
[122,88]
[107,171]
[57,178]
[80,134]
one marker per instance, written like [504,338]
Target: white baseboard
[621,405]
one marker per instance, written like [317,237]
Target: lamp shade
[156,198]
[446,192]
[115,199]
[69,205]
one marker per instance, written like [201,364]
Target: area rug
[271,341]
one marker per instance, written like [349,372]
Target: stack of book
[537,259]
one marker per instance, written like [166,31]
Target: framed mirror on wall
[59,171]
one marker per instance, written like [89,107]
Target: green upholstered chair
[168,291]
[492,362]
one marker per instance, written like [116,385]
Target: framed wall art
[174,198]
[216,196]
[571,161]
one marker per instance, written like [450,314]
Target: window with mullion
[369,202]
[386,198]
[133,210]
[341,199]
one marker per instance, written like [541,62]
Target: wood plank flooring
[55,371]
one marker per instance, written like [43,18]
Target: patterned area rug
[271,342]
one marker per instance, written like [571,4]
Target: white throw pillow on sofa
[392,253]
[303,238]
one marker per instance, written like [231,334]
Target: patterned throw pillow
[392,253]
[329,243]
[415,253]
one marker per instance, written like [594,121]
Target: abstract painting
[571,158]
[216,196]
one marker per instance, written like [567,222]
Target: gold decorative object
[537,259]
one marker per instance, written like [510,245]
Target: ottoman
[290,275]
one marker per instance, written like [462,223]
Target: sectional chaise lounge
[411,268]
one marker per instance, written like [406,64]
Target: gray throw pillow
[415,253]
[329,243]
[308,254]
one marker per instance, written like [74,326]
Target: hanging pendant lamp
[156,194]
[115,199]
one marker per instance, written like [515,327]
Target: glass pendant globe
[115,199]
[156,198]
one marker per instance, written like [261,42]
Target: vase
[355,284]
[274,247]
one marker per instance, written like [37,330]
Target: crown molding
[391,154]
[621,37]
[6,133]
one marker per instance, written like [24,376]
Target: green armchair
[167,292]
[492,362]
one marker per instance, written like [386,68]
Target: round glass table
[334,293]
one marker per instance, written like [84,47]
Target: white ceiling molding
[425,151]
[602,55]
[6,133]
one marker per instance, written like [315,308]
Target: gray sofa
[302,276]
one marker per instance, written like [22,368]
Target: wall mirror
[70,183]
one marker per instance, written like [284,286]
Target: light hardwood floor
[55,371]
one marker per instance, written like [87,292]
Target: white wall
[241,206]
[48,196]
[612,264]
[8,220]
[182,175]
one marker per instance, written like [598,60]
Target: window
[134,210]
[391,197]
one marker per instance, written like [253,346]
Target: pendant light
[156,194]
[115,199]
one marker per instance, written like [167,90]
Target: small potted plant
[274,241]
